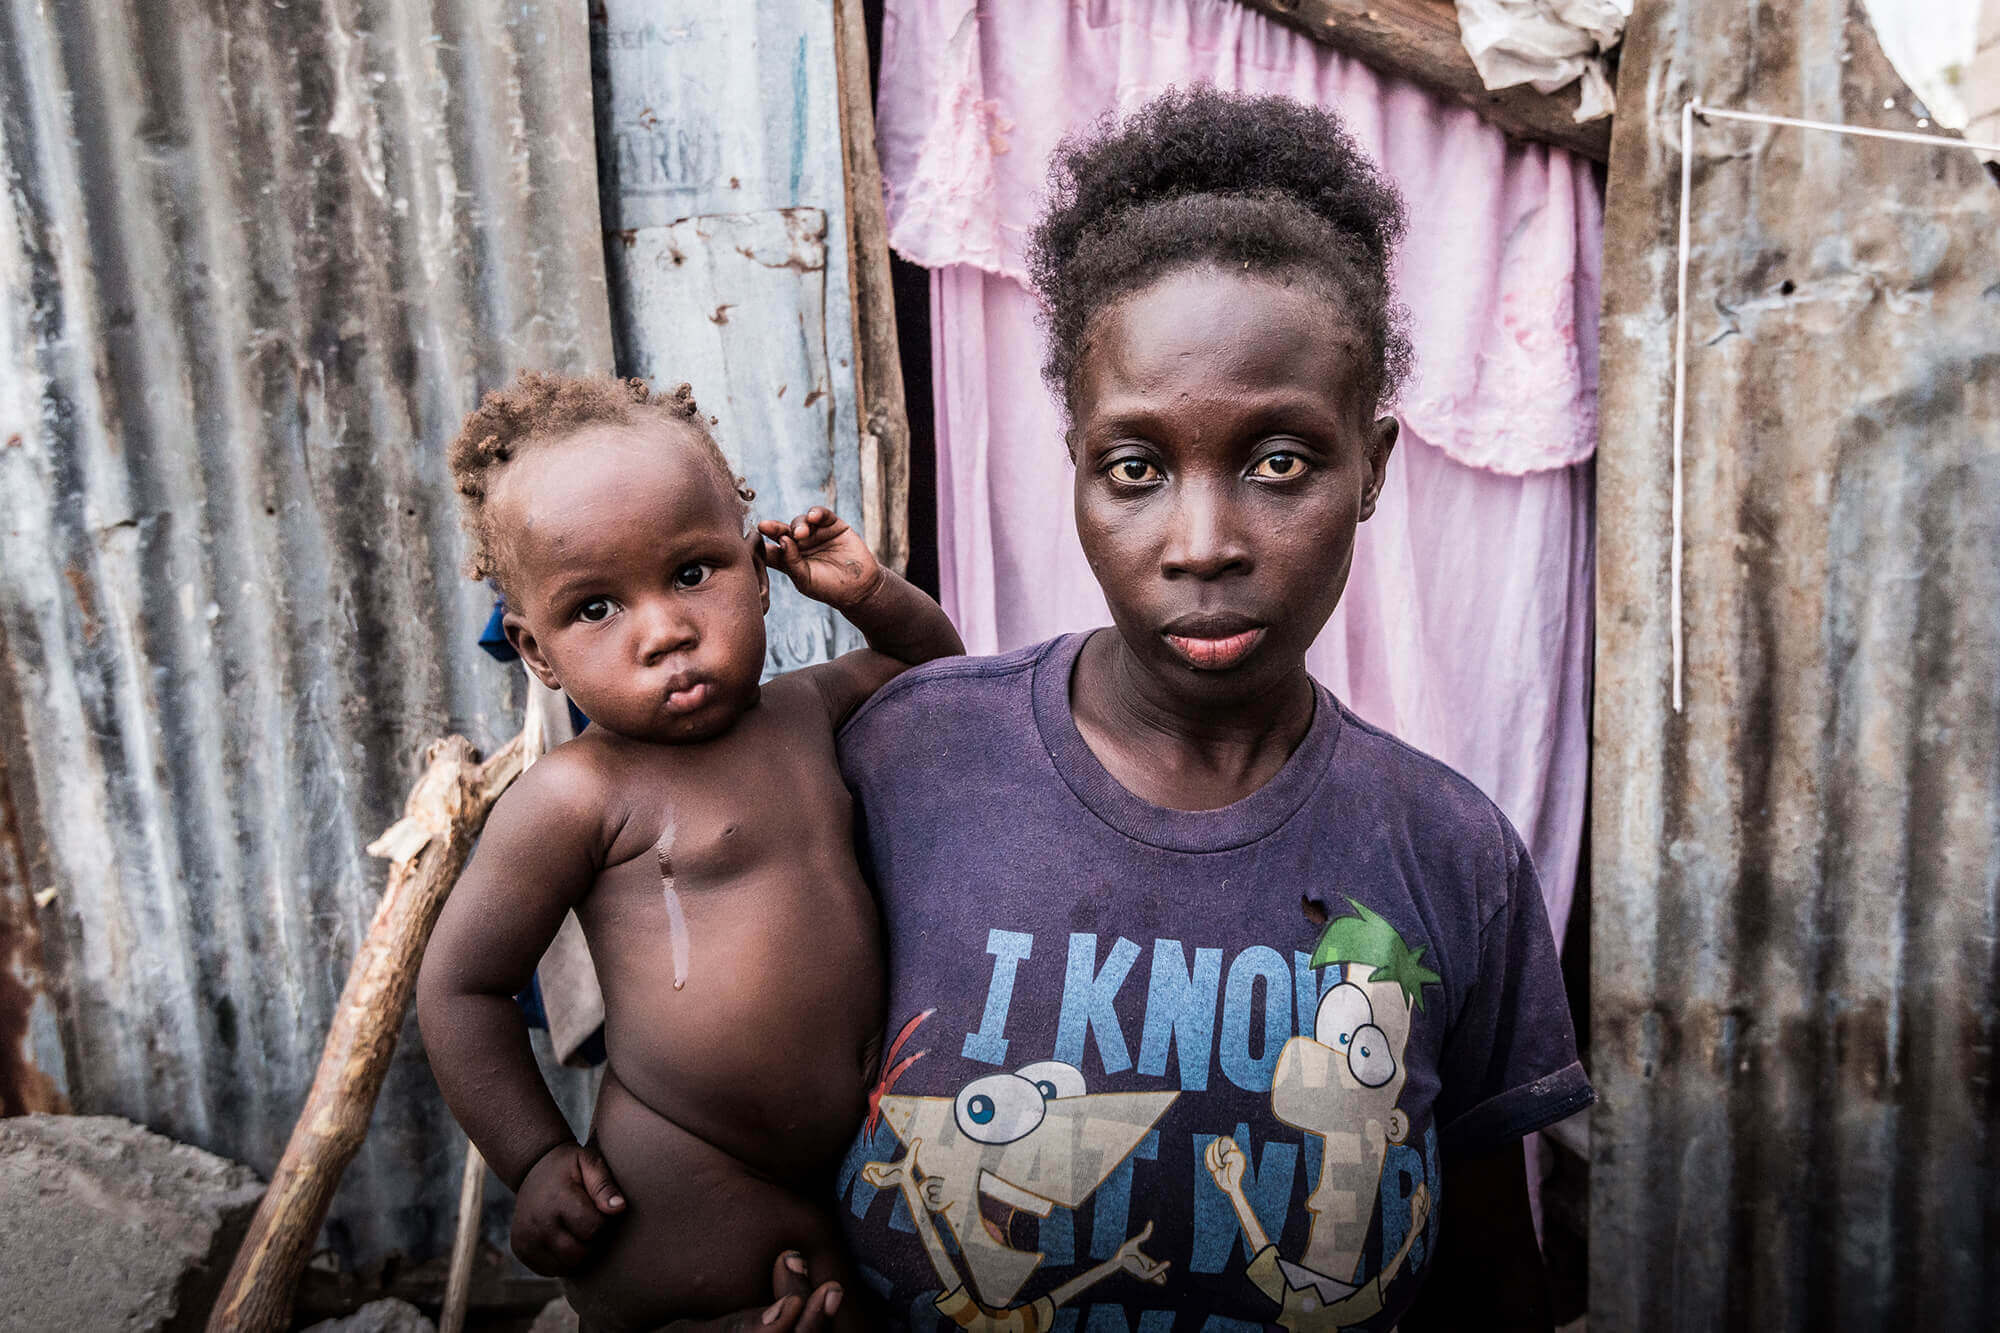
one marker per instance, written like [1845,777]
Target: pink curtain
[1466,628]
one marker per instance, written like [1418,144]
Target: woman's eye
[1279,467]
[595,610]
[1135,471]
[691,576]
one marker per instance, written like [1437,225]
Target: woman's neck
[1173,748]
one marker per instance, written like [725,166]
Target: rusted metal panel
[736,304]
[33,1076]
[723,196]
[1796,881]
[258,260]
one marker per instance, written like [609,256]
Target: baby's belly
[699,1232]
[751,1016]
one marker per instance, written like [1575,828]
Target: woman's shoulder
[1402,786]
[948,689]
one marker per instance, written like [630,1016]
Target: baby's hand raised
[563,1204]
[823,557]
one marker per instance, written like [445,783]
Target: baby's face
[631,582]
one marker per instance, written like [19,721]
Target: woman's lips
[1215,652]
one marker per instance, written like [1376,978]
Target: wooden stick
[1418,40]
[464,1245]
[878,362]
[427,849]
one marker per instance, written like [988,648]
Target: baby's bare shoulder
[566,796]
[796,701]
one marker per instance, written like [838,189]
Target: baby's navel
[677,926]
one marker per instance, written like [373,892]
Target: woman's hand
[800,1307]
[563,1204]
[823,557]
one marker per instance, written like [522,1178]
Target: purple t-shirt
[1151,1069]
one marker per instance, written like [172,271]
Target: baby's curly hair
[539,407]
[1200,176]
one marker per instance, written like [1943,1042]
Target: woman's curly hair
[539,407]
[1200,176]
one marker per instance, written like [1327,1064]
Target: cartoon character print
[1031,1140]
[1340,1085]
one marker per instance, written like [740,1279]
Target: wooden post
[427,849]
[878,365]
[465,1244]
[1418,40]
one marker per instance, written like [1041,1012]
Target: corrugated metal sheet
[1797,882]
[32,1073]
[725,206]
[258,260]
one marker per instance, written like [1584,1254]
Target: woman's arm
[1487,1272]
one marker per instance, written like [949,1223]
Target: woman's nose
[1207,538]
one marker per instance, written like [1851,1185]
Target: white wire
[1861,131]
[1680,387]
[1689,111]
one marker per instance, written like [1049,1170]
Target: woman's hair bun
[1200,175]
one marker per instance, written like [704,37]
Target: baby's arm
[539,855]
[827,561]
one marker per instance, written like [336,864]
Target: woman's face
[1224,456]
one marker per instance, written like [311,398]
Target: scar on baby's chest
[677,926]
[679,941]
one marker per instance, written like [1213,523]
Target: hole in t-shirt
[1314,909]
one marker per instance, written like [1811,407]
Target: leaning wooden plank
[878,364]
[1418,40]
[427,848]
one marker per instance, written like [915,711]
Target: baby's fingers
[821,1308]
[817,525]
[548,1248]
[598,1181]
[577,1217]
[801,1307]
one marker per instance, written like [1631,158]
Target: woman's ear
[529,647]
[1381,443]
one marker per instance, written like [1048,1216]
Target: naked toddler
[701,832]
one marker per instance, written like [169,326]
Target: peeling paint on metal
[1795,974]
[32,1074]
[723,193]
[257,262]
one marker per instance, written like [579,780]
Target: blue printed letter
[1110,1224]
[1087,1003]
[1180,1006]
[1306,987]
[1008,949]
[1252,1073]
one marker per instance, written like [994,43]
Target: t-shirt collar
[1255,816]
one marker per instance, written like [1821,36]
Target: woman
[1208,999]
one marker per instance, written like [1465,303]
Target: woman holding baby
[1207,1002]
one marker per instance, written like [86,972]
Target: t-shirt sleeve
[1510,1065]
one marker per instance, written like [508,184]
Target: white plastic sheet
[1547,43]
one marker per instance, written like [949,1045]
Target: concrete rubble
[105,1225]
[386,1316]
[556,1317]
